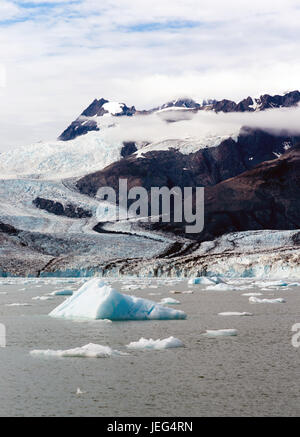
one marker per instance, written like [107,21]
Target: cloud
[60,55]
[203,124]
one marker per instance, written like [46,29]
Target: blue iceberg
[98,300]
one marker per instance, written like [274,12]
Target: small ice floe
[80,392]
[17,304]
[279,283]
[252,294]
[61,293]
[175,291]
[3,292]
[130,287]
[98,300]
[165,343]
[220,332]
[169,301]
[221,287]
[187,292]
[154,294]
[90,350]
[235,313]
[254,299]
[153,286]
[45,297]
[294,284]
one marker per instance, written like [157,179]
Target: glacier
[98,300]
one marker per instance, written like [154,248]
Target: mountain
[91,119]
[49,215]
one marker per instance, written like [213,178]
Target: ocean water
[256,373]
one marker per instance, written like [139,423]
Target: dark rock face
[57,208]
[204,168]
[8,229]
[290,99]
[129,147]
[266,197]
[83,124]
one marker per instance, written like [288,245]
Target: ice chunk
[98,300]
[17,304]
[254,299]
[203,280]
[42,297]
[221,332]
[165,343]
[221,287]
[62,293]
[234,313]
[170,301]
[252,294]
[90,350]
[271,283]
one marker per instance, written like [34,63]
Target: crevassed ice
[98,300]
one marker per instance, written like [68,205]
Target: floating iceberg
[254,299]
[98,300]
[90,350]
[170,301]
[235,313]
[42,297]
[62,293]
[221,287]
[221,332]
[165,343]
[202,280]
[252,294]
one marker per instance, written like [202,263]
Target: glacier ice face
[159,344]
[90,350]
[98,300]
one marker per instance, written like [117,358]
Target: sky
[56,56]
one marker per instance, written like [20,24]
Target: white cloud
[60,58]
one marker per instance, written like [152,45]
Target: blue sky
[57,56]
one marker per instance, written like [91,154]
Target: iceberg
[235,313]
[90,350]
[170,301]
[221,287]
[165,343]
[62,293]
[221,332]
[254,299]
[98,300]
[201,280]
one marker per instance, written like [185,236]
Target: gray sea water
[255,373]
